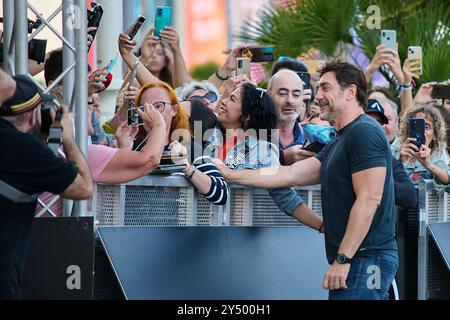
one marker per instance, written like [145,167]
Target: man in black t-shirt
[27,168]
[355,172]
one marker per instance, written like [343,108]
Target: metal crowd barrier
[172,201]
[433,275]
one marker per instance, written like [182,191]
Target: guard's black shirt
[28,165]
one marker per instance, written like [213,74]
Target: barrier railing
[433,208]
[173,201]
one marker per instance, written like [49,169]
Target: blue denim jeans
[370,277]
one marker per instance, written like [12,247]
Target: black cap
[374,106]
[26,97]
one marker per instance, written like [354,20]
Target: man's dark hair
[347,74]
[295,66]
[53,66]
[259,108]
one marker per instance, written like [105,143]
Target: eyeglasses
[159,106]
[211,96]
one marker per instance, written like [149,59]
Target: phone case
[133,117]
[243,66]
[306,78]
[134,28]
[416,129]
[263,54]
[389,39]
[415,52]
[162,19]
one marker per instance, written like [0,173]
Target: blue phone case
[416,129]
[163,18]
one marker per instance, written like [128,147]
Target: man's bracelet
[321,228]
[221,78]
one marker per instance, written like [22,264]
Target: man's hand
[151,117]
[67,125]
[336,276]
[224,170]
[296,153]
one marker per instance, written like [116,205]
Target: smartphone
[315,146]
[260,54]
[440,91]
[243,66]
[416,129]
[133,117]
[94,17]
[306,78]
[110,66]
[163,18]
[415,53]
[389,39]
[135,26]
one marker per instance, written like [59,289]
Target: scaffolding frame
[74,74]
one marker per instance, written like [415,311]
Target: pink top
[98,158]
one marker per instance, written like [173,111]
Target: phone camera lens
[388,38]
[240,64]
[384,34]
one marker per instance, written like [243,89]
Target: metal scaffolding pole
[69,24]
[21,36]
[81,97]
[107,49]
[8,40]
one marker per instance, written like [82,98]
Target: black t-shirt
[359,146]
[28,165]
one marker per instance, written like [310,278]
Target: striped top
[218,193]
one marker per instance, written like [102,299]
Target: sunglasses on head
[211,96]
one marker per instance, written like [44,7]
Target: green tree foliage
[328,25]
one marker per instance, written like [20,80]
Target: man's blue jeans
[370,277]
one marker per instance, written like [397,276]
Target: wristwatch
[342,259]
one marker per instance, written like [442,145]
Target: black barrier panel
[441,236]
[60,259]
[210,263]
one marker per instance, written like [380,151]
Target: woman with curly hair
[430,160]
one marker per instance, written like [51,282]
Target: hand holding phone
[133,117]
[416,130]
[315,146]
[94,17]
[259,54]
